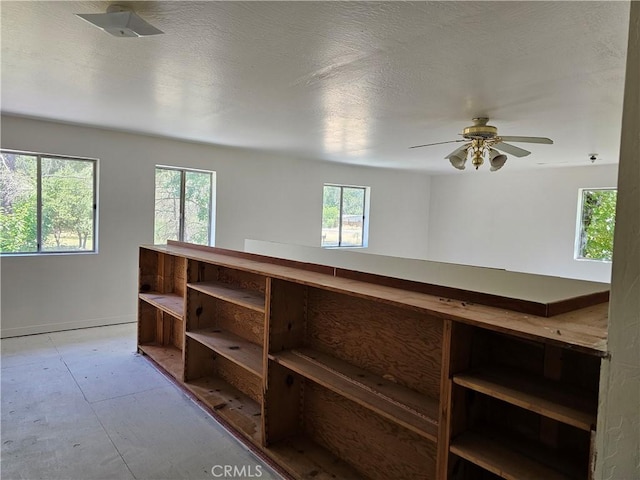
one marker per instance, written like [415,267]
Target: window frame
[183,175]
[39,241]
[577,251]
[364,243]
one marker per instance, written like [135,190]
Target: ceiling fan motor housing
[480,129]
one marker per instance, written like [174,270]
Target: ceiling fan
[483,142]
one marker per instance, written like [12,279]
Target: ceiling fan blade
[512,149]
[544,140]
[458,150]
[438,143]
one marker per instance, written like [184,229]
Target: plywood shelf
[399,404]
[233,406]
[168,357]
[250,299]
[170,303]
[503,458]
[234,348]
[304,459]
[553,400]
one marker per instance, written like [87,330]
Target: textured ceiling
[353,82]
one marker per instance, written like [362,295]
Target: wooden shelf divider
[399,404]
[233,347]
[544,397]
[170,303]
[240,296]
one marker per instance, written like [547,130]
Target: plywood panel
[201,272]
[179,275]
[166,277]
[235,375]
[397,344]
[283,404]
[146,322]
[380,449]
[581,370]
[287,320]
[239,278]
[204,311]
[245,323]
[177,331]
[200,310]
[198,360]
[506,351]
[148,270]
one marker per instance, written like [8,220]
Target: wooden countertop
[583,329]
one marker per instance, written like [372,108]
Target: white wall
[618,429]
[521,221]
[261,196]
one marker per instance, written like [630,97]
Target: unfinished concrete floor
[82,405]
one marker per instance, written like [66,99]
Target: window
[343,216]
[184,205]
[596,222]
[47,203]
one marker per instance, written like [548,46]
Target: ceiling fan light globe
[458,161]
[497,160]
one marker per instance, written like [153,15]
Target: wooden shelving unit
[161,309]
[523,409]
[334,375]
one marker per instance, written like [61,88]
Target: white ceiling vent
[121,21]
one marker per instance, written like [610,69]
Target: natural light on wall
[596,224]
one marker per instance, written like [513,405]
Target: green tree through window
[597,224]
[47,203]
[183,205]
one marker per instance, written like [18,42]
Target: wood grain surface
[400,345]
[381,450]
